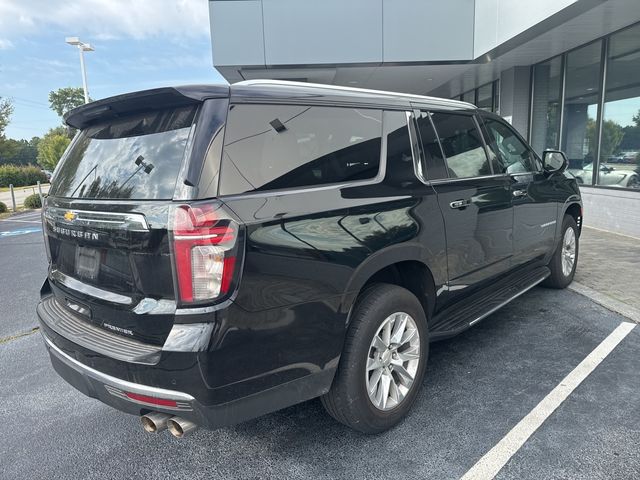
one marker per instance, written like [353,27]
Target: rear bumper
[99,385]
[85,370]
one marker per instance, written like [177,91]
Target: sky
[138,44]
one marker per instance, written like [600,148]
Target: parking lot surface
[478,386]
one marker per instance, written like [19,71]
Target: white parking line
[496,458]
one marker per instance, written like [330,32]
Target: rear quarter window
[269,147]
[136,157]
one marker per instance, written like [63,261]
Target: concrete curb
[606,301]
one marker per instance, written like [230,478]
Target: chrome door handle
[519,193]
[460,203]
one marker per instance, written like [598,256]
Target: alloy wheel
[393,359]
[568,251]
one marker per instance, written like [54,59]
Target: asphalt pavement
[478,386]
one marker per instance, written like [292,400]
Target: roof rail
[266,82]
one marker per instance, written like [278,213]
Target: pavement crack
[18,335]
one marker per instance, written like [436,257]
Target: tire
[348,401]
[561,278]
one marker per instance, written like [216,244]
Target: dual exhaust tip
[155,422]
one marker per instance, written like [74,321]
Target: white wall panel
[236,28]
[328,31]
[428,30]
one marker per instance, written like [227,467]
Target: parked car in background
[220,252]
[609,176]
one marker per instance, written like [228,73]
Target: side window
[513,156]
[400,168]
[269,147]
[462,145]
[435,164]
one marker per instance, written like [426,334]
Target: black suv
[220,252]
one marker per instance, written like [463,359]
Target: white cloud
[107,19]
[5,44]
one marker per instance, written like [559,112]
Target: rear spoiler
[142,101]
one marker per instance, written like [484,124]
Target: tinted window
[282,146]
[136,157]
[462,145]
[400,168]
[513,156]
[435,165]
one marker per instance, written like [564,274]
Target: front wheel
[565,259]
[383,360]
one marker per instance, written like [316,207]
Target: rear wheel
[565,259]
[383,361]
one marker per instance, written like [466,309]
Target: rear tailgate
[112,267]
[107,216]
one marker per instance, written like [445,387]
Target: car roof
[251,91]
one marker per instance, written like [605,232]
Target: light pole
[82,47]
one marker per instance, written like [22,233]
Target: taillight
[204,241]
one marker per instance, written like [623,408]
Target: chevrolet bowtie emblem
[70,216]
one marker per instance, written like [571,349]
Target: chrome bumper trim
[90,290]
[116,383]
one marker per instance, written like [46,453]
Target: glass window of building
[579,133]
[620,137]
[485,97]
[547,88]
[469,96]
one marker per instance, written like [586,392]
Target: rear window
[137,157]
[271,147]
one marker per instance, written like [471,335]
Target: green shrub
[3,208]
[20,176]
[32,201]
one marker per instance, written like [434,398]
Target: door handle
[460,203]
[519,193]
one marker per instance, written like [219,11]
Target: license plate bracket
[87,264]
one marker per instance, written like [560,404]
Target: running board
[474,308]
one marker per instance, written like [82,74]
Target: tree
[51,147]
[6,109]
[611,137]
[65,99]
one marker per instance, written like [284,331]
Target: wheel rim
[392,362]
[568,251]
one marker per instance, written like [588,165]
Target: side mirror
[554,161]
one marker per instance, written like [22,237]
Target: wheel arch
[574,209]
[402,265]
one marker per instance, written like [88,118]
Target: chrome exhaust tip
[179,427]
[154,422]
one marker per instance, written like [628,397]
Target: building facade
[565,73]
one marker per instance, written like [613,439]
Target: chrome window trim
[441,181]
[89,290]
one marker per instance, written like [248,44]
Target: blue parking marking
[20,231]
